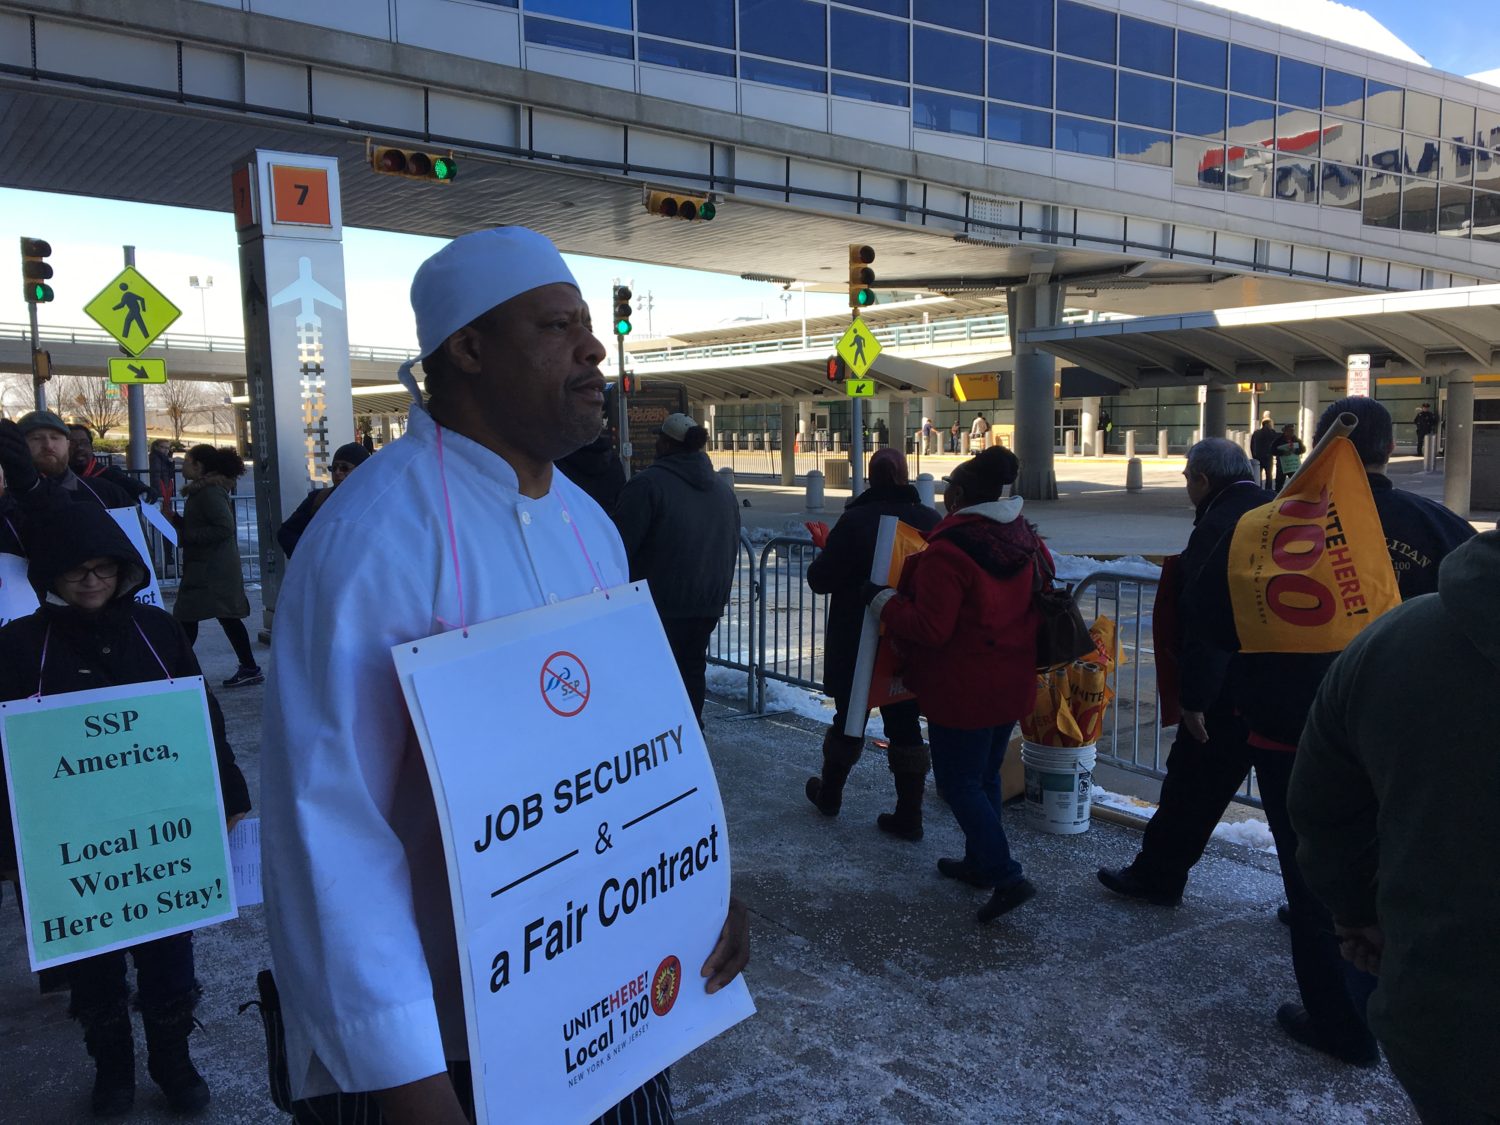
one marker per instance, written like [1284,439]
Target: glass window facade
[1018,75]
[1076,76]
[785,29]
[868,45]
[1085,31]
[950,62]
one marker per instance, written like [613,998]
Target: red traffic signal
[837,370]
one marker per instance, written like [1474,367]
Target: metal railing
[793,621]
[732,644]
[166,559]
[181,341]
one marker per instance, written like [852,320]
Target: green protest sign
[119,825]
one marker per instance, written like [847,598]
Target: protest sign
[119,825]
[17,598]
[587,852]
[160,522]
[244,860]
[1308,571]
[130,524]
[876,681]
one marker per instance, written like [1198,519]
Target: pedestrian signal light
[861,276]
[413,164]
[837,370]
[622,310]
[35,270]
[678,205]
[627,383]
[41,365]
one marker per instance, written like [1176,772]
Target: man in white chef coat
[460,521]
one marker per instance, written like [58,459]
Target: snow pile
[1071,568]
[1120,802]
[1251,833]
[800,701]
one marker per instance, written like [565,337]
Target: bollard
[1098,443]
[1161,444]
[1429,454]
[838,441]
[1069,442]
[1197,436]
[1133,478]
[728,476]
[769,438]
[1129,444]
[815,491]
[927,489]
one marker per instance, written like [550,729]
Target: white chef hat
[474,273]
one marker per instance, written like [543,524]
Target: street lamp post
[203,285]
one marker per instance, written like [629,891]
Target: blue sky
[174,244]
[1452,35]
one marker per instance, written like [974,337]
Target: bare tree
[179,400]
[96,402]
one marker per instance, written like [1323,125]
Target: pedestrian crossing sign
[859,388]
[133,311]
[123,370]
[859,348]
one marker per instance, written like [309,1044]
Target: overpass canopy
[1429,332]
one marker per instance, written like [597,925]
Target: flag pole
[1342,426]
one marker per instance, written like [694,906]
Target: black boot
[168,1026]
[909,766]
[108,1037]
[840,752]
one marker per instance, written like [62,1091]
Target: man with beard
[49,439]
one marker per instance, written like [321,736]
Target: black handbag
[1062,636]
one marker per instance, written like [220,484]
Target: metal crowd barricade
[1132,735]
[792,620]
[167,558]
[733,642]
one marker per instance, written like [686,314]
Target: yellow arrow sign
[132,310]
[137,371]
[859,388]
[859,348]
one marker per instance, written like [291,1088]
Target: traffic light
[680,205]
[35,269]
[622,310]
[414,164]
[837,370]
[861,276]
[627,383]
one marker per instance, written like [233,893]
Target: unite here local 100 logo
[565,684]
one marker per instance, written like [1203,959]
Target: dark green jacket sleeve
[1332,802]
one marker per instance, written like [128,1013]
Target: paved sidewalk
[880,999]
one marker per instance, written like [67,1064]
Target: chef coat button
[552,598]
[105,650]
[567,518]
[525,517]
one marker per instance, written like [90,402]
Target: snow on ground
[1070,568]
[1251,833]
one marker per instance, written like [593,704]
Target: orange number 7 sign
[300,195]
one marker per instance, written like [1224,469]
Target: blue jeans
[966,769]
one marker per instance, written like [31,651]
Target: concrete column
[1130,444]
[804,426]
[1215,421]
[1035,306]
[1161,444]
[896,419]
[788,443]
[1070,442]
[1458,446]
[1308,412]
[1088,423]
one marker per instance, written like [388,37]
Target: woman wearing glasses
[346,458]
[91,633]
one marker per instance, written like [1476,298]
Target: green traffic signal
[39,293]
[707,210]
[444,169]
[622,327]
[865,297]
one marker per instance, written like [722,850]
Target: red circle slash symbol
[565,684]
[665,985]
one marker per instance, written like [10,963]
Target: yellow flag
[1309,570]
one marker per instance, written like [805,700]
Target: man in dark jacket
[49,439]
[680,525]
[90,633]
[1262,445]
[1392,801]
[163,470]
[1425,422]
[82,461]
[598,470]
[1275,691]
[841,570]
[1202,777]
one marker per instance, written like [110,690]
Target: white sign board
[130,524]
[587,851]
[1359,376]
[17,598]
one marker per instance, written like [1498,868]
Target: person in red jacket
[965,629]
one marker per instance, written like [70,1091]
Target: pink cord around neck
[47,640]
[458,578]
[598,582]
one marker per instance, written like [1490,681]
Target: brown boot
[909,765]
[840,752]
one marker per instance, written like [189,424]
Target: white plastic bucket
[1059,786]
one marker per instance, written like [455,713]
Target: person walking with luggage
[840,571]
[90,633]
[212,585]
[965,625]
